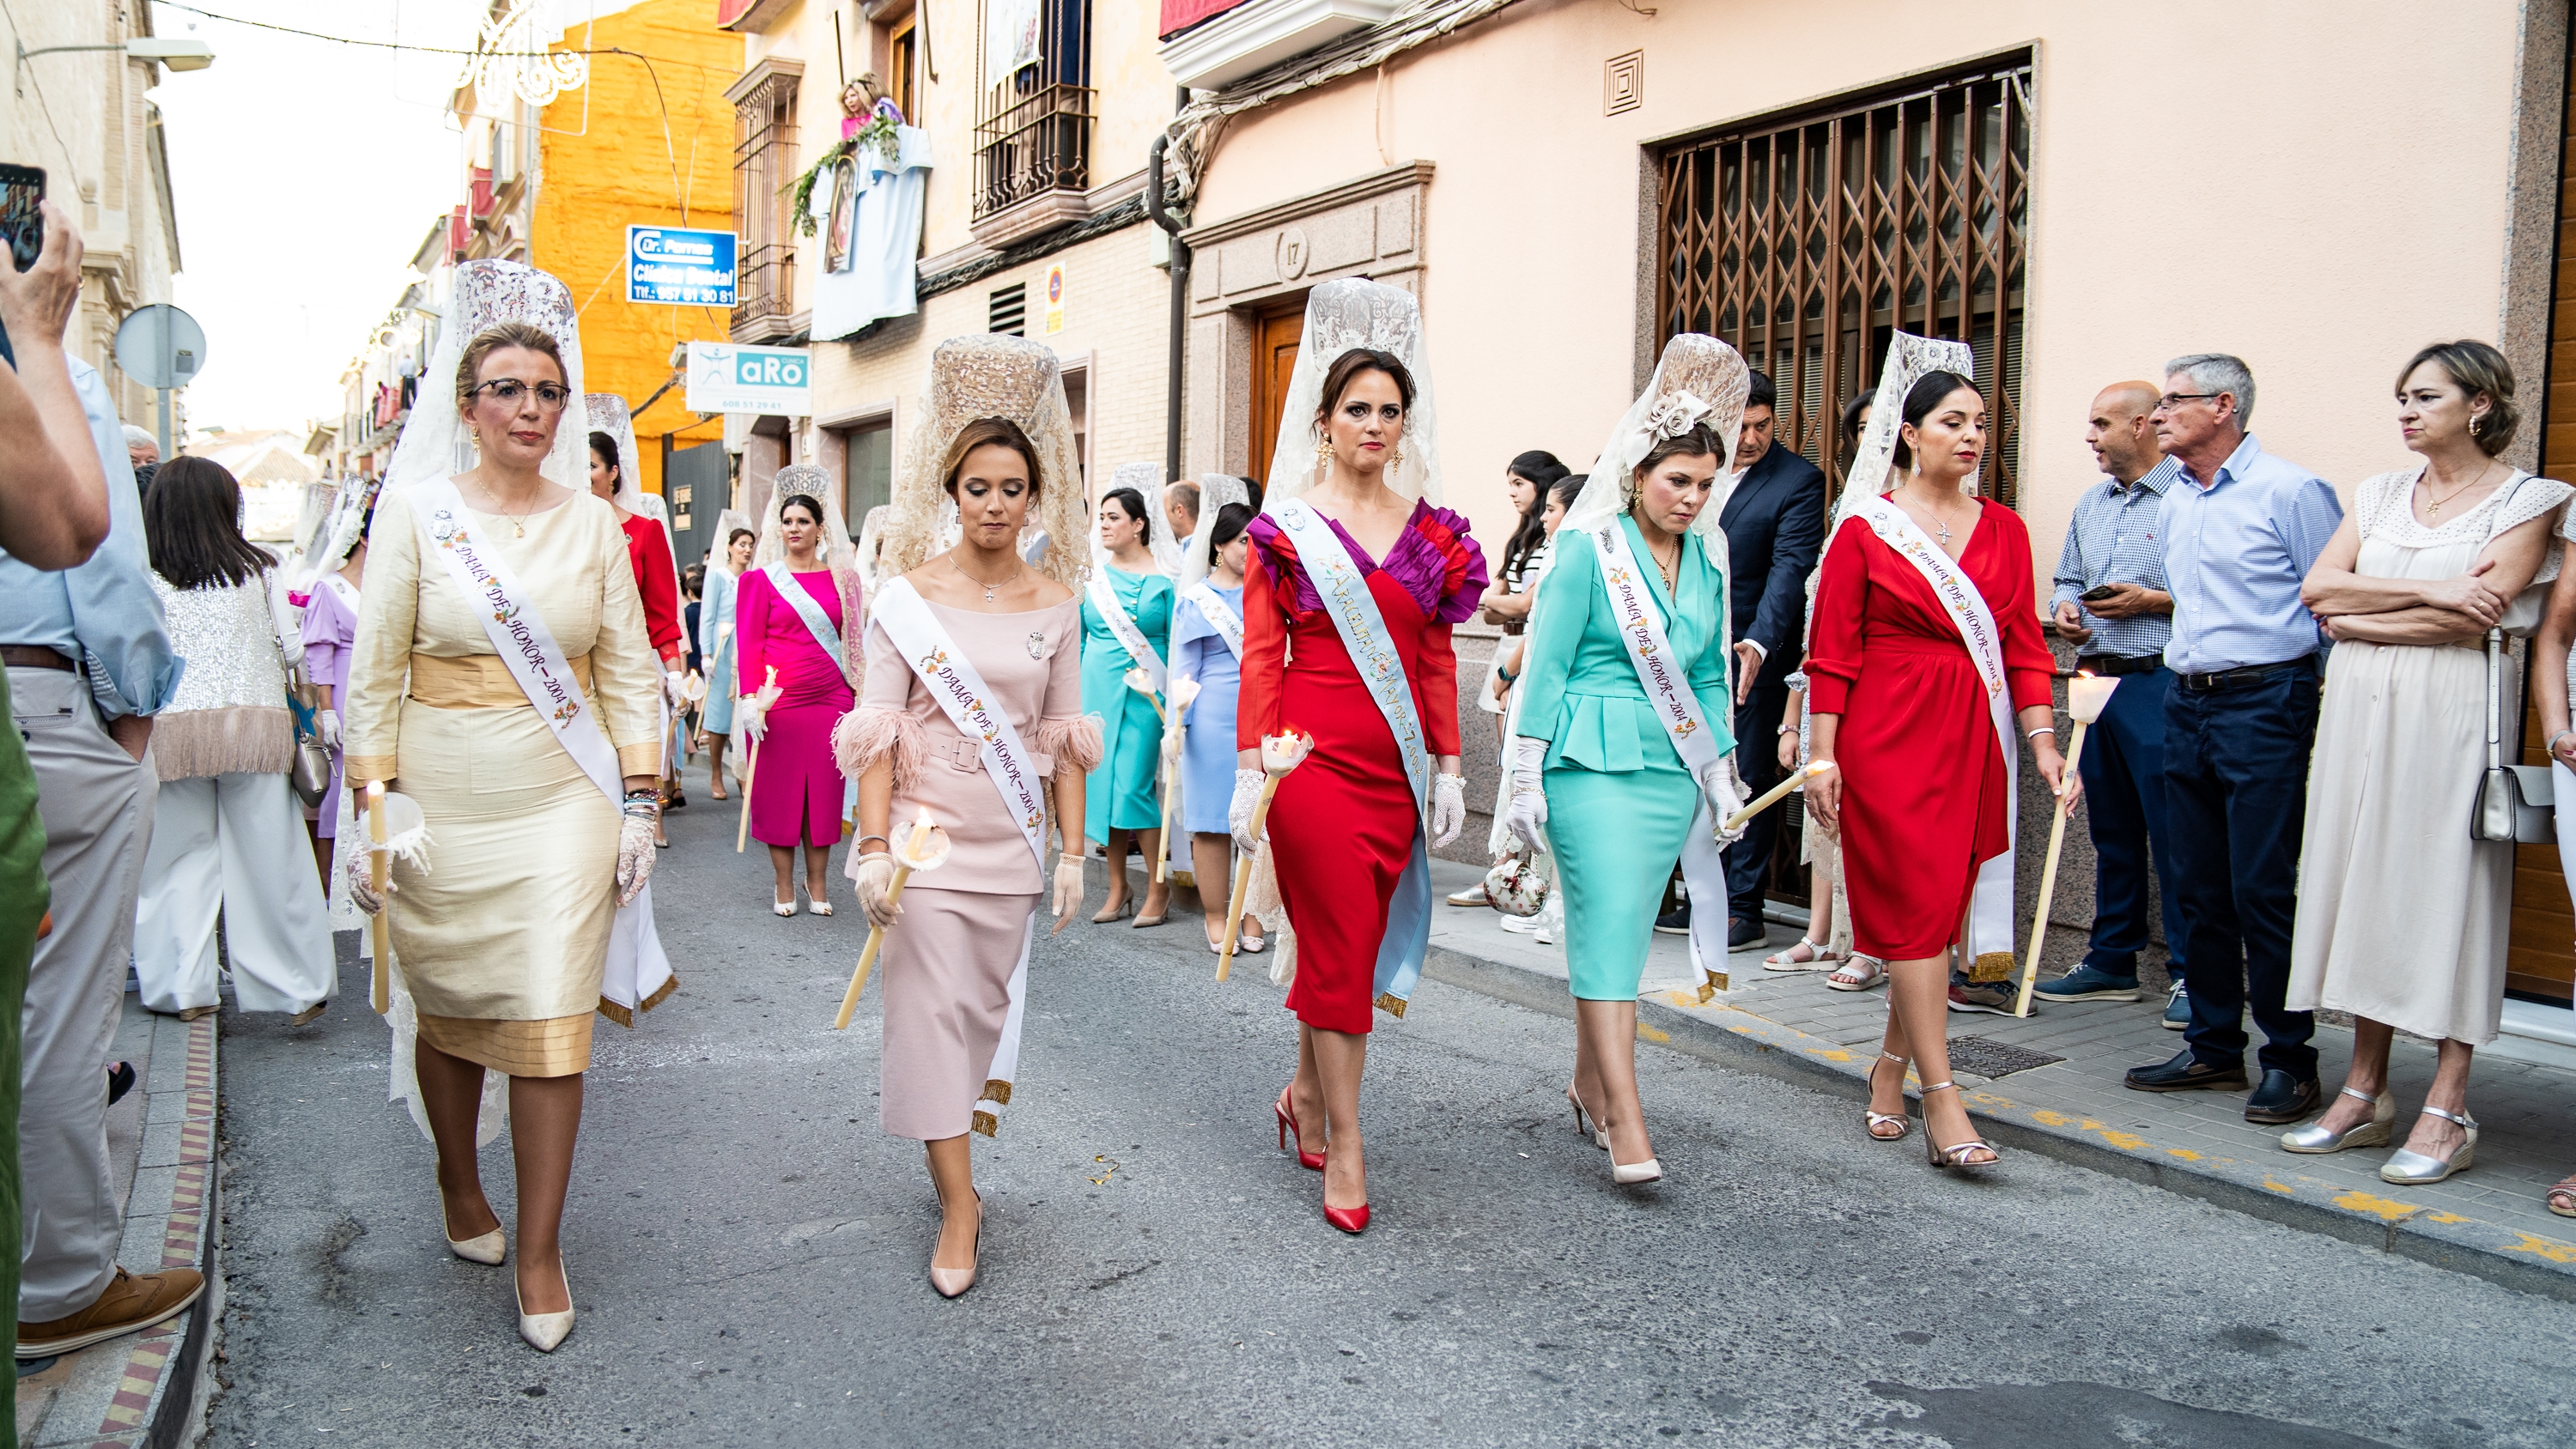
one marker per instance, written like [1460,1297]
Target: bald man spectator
[2110,599]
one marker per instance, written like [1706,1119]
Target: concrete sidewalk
[147,1388]
[2051,1084]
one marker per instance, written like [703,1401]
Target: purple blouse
[1432,559]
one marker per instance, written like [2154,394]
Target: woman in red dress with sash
[1898,704]
[1345,824]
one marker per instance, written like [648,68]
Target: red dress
[1343,824]
[1926,795]
[648,551]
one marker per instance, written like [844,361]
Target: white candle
[2087,696]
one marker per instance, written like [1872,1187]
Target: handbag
[1517,885]
[310,775]
[2516,803]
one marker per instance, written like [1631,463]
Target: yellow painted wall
[638,160]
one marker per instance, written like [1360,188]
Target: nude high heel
[544,1331]
[1600,1136]
[487,1249]
[950,1282]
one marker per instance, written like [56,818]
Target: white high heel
[1629,1174]
[488,1250]
[544,1331]
[783,908]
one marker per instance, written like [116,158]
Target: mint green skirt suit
[1619,799]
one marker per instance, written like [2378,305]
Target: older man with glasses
[2240,528]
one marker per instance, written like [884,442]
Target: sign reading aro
[729,377]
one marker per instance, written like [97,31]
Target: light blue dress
[1619,800]
[1208,748]
[715,621]
[1119,795]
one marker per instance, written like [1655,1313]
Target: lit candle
[923,846]
[1280,753]
[2087,696]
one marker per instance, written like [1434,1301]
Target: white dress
[2402,918]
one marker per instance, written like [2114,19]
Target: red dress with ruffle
[1343,824]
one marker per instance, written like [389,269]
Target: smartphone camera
[21,222]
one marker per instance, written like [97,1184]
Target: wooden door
[1276,336]
[2540,957]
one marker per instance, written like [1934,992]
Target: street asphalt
[747,1250]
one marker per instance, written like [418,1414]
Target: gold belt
[475,681]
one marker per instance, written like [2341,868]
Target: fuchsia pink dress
[796,789]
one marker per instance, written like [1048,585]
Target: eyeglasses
[508,390]
[2177,399]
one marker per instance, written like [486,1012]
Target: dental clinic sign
[678,267]
[727,377]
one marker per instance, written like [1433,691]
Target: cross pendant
[1945,533]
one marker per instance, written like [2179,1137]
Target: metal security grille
[1033,126]
[1803,239]
[764,167]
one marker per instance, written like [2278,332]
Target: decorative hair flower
[1674,414]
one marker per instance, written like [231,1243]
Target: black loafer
[1675,922]
[1741,933]
[2281,1099]
[2185,1073]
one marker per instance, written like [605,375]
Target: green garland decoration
[879,132]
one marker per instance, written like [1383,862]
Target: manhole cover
[1992,1059]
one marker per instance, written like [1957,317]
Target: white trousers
[234,846]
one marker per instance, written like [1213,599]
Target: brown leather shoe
[133,1301]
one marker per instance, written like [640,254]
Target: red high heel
[1287,1126]
[1350,1220]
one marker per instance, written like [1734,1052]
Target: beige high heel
[1600,1135]
[545,1332]
[950,1282]
[488,1249]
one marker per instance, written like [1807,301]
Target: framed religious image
[845,211]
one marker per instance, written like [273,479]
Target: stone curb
[1719,1032]
[148,1391]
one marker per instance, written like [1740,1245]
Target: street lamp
[176,52]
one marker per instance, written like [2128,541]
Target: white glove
[635,854]
[1448,808]
[362,887]
[874,875]
[1238,812]
[1527,816]
[1068,888]
[751,716]
[675,688]
[326,728]
[1724,790]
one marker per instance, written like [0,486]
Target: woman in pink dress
[807,636]
[971,635]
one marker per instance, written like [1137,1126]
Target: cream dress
[502,934]
[2402,917]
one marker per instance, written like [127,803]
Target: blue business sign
[679,267]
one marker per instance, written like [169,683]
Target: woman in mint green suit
[1123,801]
[1596,768]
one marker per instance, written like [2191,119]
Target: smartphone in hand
[2098,593]
[22,224]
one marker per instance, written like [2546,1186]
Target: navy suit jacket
[1775,528]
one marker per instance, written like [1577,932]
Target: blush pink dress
[947,961]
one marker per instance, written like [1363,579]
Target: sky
[304,175]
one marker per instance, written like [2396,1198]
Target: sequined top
[227,636]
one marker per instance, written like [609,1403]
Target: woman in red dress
[648,553]
[1345,825]
[1898,705]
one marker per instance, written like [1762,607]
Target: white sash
[1677,708]
[1220,616]
[342,589]
[959,691]
[638,974]
[1354,612]
[1104,601]
[1990,912]
[817,623]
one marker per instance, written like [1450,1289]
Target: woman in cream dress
[501,924]
[997,440]
[2402,915]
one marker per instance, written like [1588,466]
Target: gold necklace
[519,522]
[2433,511]
[1671,572]
[979,583]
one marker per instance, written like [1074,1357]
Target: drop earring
[1323,454]
[1395,457]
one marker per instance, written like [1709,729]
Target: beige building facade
[1035,181]
[81,115]
[2080,192]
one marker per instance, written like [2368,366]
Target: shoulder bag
[2516,803]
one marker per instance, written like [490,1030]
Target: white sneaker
[1521,925]
[1473,895]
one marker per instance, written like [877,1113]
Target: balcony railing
[764,285]
[1038,143]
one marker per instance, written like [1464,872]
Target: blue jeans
[2124,803]
[2236,783]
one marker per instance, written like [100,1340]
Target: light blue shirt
[2237,547]
[2114,540]
[105,609]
